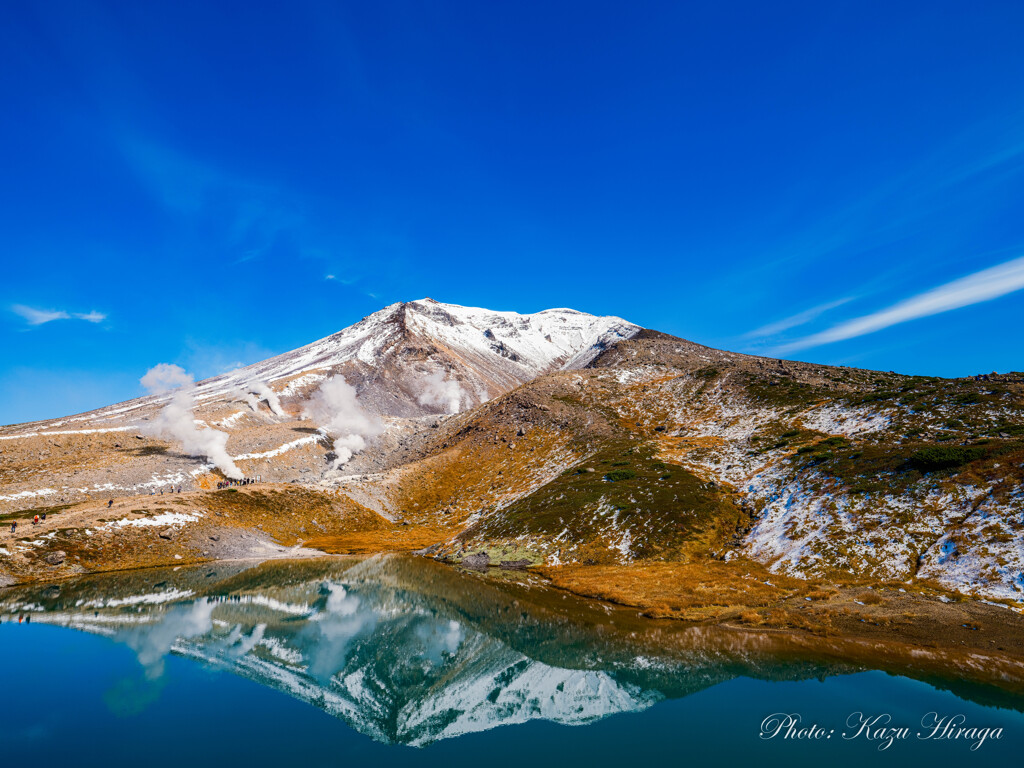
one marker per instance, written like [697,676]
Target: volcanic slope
[410,361]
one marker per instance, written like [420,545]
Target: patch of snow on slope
[29,494]
[280,449]
[983,554]
[300,383]
[164,519]
[231,420]
[837,420]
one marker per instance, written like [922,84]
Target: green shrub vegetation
[677,510]
[617,475]
[968,398]
[836,441]
[707,372]
[946,456]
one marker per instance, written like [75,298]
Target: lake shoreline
[900,625]
[207,528]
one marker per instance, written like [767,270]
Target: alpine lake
[397,660]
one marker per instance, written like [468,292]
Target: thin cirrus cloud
[981,286]
[34,316]
[245,217]
[793,321]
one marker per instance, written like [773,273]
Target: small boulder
[167,533]
[56,558]
[478,561]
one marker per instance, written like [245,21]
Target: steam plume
[335,408]
[165,377]
[255,390]
[439,391]
[176,422]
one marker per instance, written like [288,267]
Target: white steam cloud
[176,422]
[254,390]
[165,377]
[335,408]
[442,392]
[265,392]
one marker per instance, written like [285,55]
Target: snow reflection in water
[409,651]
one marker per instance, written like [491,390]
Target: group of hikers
[153,491]
[233,483]
[35,521]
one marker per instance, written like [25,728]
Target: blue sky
[209,183]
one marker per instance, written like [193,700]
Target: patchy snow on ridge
[553,337]
[957,537]
[839,420]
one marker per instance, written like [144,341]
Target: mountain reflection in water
[409,651]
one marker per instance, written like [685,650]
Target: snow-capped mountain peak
[485,352]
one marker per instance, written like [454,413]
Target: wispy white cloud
[793,321]
[341,280]
[39,316]
[35,316]
[981,286]
[90,317]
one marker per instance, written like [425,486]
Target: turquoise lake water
[393,661]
